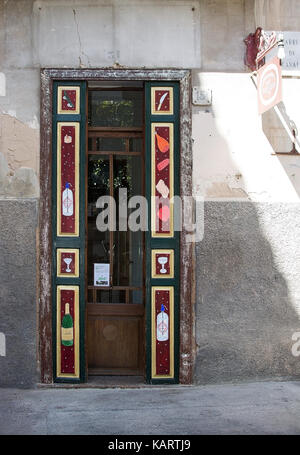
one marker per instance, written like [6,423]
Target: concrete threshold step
[110,382]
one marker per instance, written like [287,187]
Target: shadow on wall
[247,289]
[281,142]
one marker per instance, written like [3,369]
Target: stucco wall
[246,186]
[233,156]
[18,309]
[277,14]
[248,292]
[206,36]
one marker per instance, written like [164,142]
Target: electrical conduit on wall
[2,345]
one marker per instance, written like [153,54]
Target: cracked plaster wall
[204,35]
[232,156]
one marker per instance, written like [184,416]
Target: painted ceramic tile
[68,100]
[162,180]
[162,332]
[162,263]
[67,262]
[162,101]
[68,179]
[67,336]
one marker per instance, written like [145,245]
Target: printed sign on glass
[101,275]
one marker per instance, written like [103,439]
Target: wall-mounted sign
[202,97]
[269,85]
[291,40]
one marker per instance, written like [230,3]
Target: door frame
[187,249]
[109,311]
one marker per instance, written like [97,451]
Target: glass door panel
[116,172]
[115,312]
[98,185]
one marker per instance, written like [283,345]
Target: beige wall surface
[233,147]
[277,14]
[247,264]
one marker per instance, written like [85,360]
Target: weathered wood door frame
[187,269]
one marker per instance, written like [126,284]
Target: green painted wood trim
[70,242]
[156,243]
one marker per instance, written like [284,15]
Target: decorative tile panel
[162,332]
[162,101]
[68,179]
[68,100]
[68,233]
[67,332]
[67,262]
[162,263]
[162,189]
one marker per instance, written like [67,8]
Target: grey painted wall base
[18,219]
[248,291]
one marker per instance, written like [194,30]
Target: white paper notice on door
[101,274]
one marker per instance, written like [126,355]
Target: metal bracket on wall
[290,127]
[2,345]
[288,124]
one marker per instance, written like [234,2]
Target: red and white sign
[269,85]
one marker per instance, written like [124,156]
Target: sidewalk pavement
[251,408]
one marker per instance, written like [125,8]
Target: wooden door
[108,312]
[115,301]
